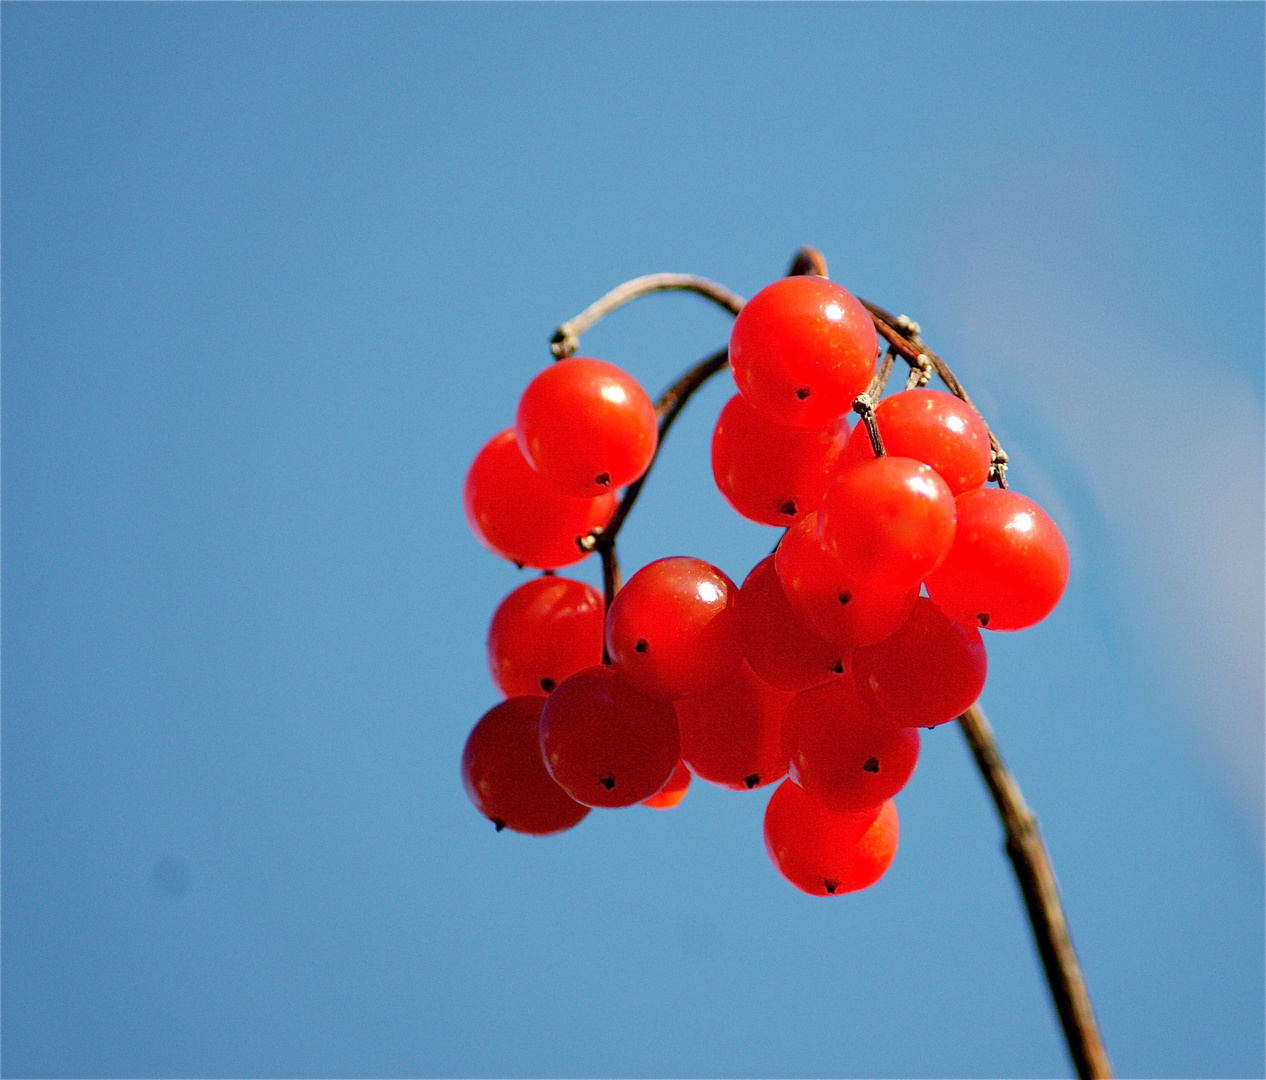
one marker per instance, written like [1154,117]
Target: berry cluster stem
[1037,881]
[1024,845]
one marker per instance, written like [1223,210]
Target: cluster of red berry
[862,627]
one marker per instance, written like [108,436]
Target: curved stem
[566,339]
[903,338]
[1036,876]
[667,409]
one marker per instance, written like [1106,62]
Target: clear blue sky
[272,274]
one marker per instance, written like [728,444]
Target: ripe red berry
[517,515]
[843,751]
[822,594]
[731,735]
[887,522]
[546,629]
[802,349]
[587,426]
[673,630]
[933,427]
[672,792]
[1008,565]
[770,472]
[781,649]
[606,743]
[925,674]
[505,777]
[823,853]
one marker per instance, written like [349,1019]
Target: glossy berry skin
[605,743]
[925,674]
[887,522]
[505,777]
[517,515]
[821,592]
[546,629]
[586,426]
[780,647]
[802,349]
[933,427]
[1008,566]
[672,792]
[843,751]
[731,735]
[823,853]
[769,472]
[673,630]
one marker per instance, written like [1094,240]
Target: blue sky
[271,276]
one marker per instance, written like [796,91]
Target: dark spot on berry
[641,645]
[845,597]
[803,392]
[548,684]
[831,885]
[753,780]
[838,667]
[498,823]
[872,764]
[983,618]
[788,508]
[607,781]
[518,564]
[548,573]
[603,478]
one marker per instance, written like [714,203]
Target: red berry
[781,649]
[587,426]
[887,522]
[819,591]
[1008,566]
[935,428]
[517,515]
[604,742]
[769,472]
[505,776]
[731,735]
[802,349]
[823,853]
[547,629]
[672,792]
[925,674]
[843,751]
[673,630]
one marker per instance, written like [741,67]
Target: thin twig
[1036,876]
[906,341]
[566,339]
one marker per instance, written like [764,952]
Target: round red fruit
[925,674]
[843,751]
[731,735]
[781,649]
[673,630]
[1008,566]
[802,349]
[823,853]
[604,742]
[769,472]
[586,426]
[548,628]
[517,515]
[672,792]
[933,427]
[887,522]
[505,777]
[827,598]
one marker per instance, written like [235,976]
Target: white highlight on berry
[833,312]
[614,394]
[708,593]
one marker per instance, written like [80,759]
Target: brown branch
[1036,876]
[566,339]
[902,336]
